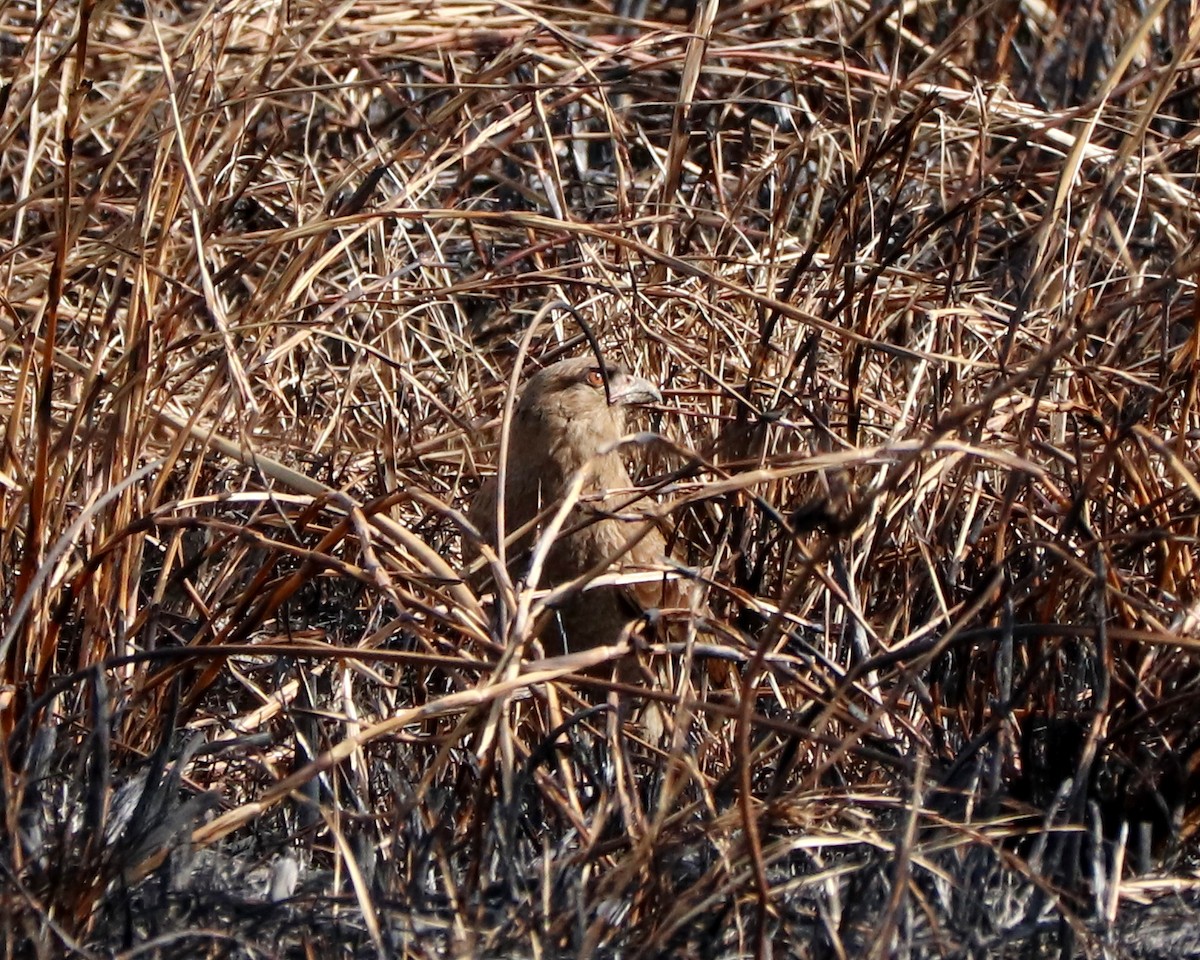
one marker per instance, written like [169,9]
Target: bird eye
[595,378]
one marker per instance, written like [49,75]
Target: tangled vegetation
[918,283]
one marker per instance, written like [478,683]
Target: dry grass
[921,292]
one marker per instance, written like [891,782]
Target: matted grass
[920,289]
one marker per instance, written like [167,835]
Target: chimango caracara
[565,422]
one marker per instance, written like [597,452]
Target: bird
[569,419]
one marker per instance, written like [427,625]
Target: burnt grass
[918,284]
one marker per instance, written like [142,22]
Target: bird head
[581,386]
[567,411]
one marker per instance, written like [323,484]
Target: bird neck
[569,444]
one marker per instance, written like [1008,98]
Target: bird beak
[631,391]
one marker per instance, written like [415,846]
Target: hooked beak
[625,390]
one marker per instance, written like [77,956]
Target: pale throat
[576,446]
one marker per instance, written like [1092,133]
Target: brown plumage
[562,422]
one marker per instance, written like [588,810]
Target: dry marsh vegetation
[919,286]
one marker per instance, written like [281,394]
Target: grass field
[918,283]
